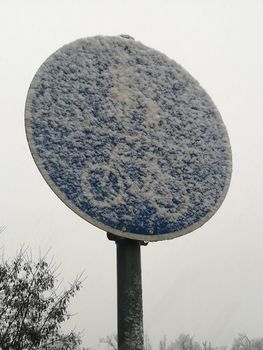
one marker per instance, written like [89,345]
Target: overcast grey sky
[207,283]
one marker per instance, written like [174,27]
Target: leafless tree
[110,340]
[162,343]
[242,342]
[257,344]
[147,343]
[31,307]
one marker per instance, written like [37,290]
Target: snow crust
[127,138]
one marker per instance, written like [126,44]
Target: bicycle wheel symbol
[102,185]
[167,195]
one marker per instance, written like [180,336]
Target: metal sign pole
[129,293]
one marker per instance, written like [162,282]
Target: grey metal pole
[129,294]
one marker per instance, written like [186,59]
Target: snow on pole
[129,294]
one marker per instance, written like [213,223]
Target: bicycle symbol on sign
[135,173]
[107,185]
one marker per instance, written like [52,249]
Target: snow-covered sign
[127,138]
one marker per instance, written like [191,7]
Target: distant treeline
[187,342]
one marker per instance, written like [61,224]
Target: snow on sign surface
[127,138]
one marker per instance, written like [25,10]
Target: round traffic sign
[127,138]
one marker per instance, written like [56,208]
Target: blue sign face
[127,138]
